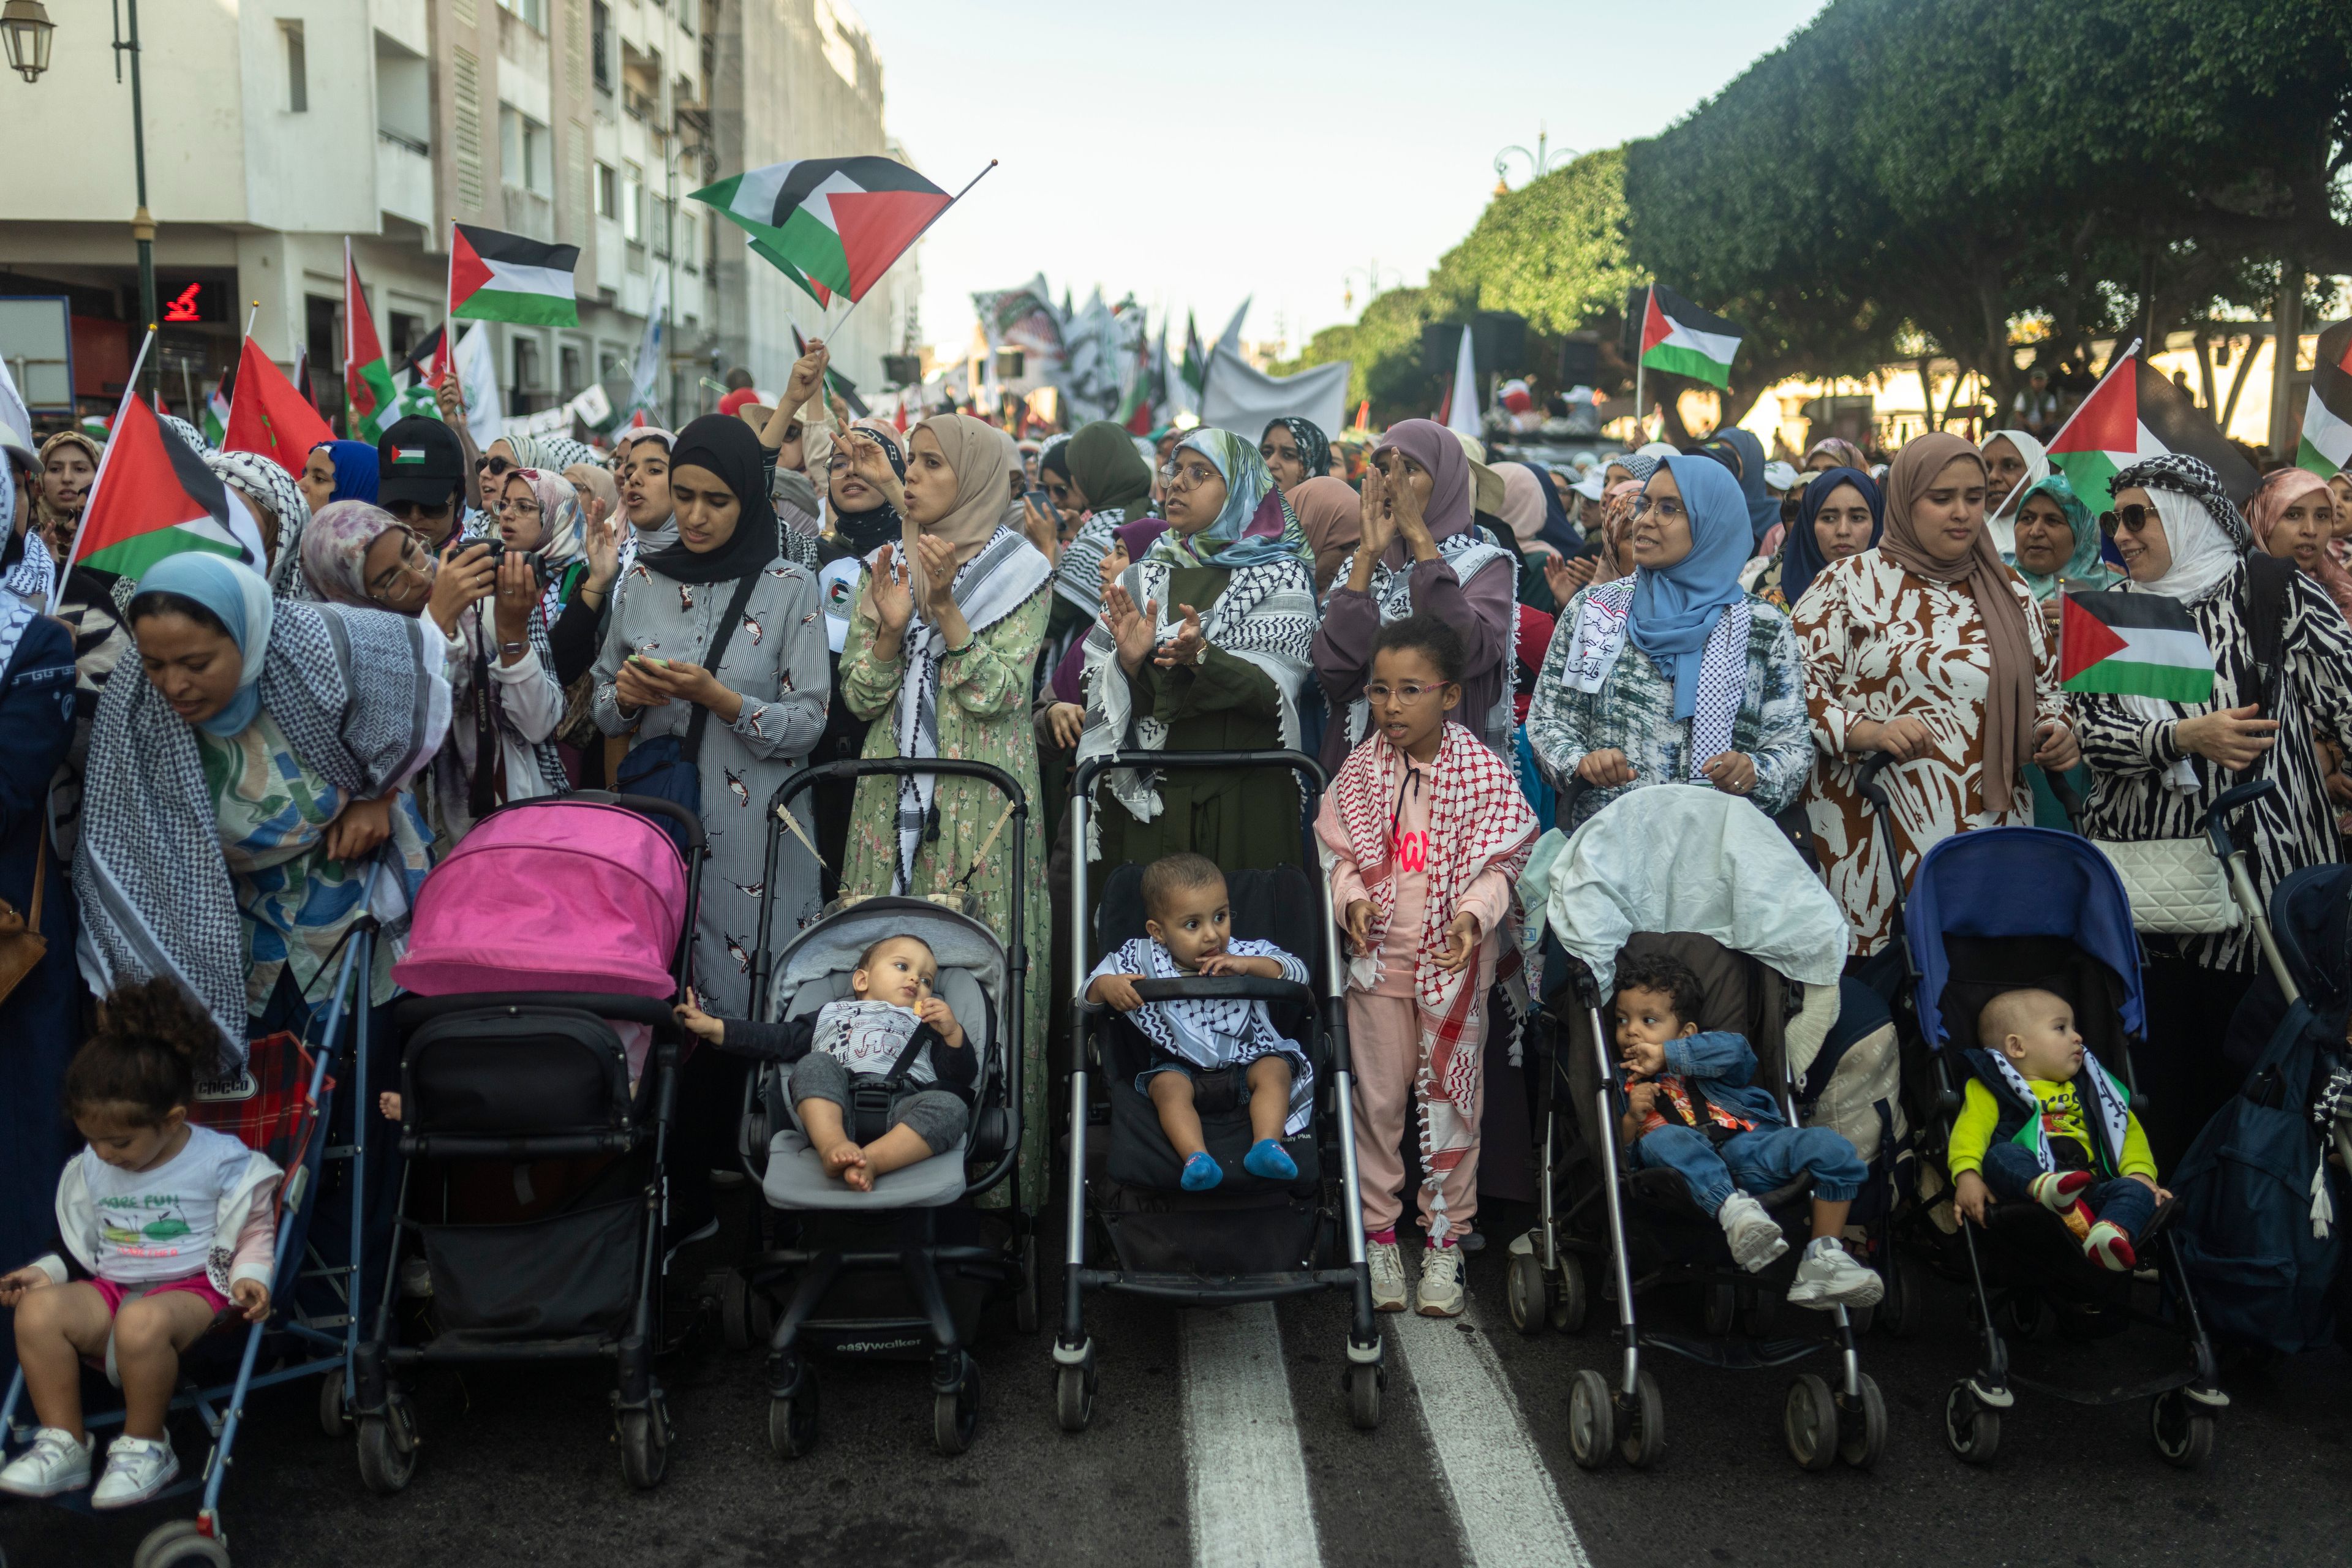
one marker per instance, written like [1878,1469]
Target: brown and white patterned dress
[1879,643]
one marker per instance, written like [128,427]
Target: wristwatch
[513,646]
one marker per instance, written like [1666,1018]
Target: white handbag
[2176,886]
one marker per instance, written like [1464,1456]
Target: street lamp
[1540,160]
[25,27]
[1371,276]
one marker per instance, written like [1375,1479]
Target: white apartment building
[276,127]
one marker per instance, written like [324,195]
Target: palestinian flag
[2326,445]
[1194,368]
[2134,413]
[838,222]
[269,416]
[367,379]
[153,497]
[782,263]
[495,277]
[1680,339]
[216,420]
[2133,644]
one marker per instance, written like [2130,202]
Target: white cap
[1589,487]
[1781,475]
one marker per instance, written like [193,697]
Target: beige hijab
[981,458]
[2008,719]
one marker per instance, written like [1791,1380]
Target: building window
[661,212]
[534,11]
[608,201]
[298,70]
[525,354]
[633,201]
[524,152]
[600,42]
[568,358]
[407,332]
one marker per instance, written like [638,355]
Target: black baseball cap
[419,460]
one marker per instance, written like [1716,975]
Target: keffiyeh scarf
[1598,640]
[1479,820]
[1469,552]
[261,477]
[360,696]
[26,586]
[1078,577]
[2106,1105]
[993,584]
[1213,1036]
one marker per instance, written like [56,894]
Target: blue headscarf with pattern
[1257,525]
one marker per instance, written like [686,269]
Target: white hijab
[2002,523]
[2203,556]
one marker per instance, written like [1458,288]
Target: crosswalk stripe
[1504,1499]
[1246,1474]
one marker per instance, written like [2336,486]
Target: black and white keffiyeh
[1212,1036]
[1598,640]
[993,584]
[1267,617]
[1079,576]
[361,698]
[2107,1104]
[26,585]
[262,477]
[2192,478]
[1469,552]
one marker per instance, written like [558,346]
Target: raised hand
[894,596]
[1188,645]
[600,541]
[1133,631]
[466,577]
[1567,576]
[938,576]
[808,375]
[517,593]
[869,462]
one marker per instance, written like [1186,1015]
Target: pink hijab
[2268,503]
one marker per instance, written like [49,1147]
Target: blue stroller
[1967,935]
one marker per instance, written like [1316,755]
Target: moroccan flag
[367,379]
[269,417]
[2136,413]
[2326,445]
[153,497]
[1680,339]
[495,277]
[2134,645]
[839,221]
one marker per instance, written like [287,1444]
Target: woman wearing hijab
[240,793]
[1841,513]
[2057,547]
[340,471]
[1295,451]
[2293,515]
[1102,470]
[1532,506]
[644,487]
[2157,767]
[497,663]
[280,506]
[2014,462]
[1927,648]
[1418,551]
[1836,452]
[942,649]
[716,645]
[540,512]
[1203,645]
[68,464]
[1673,675]
[1331,515]
[1763,510]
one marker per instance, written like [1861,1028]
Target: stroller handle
[643,804]
[654,1012]
[859,767]
[2233,800]
[1225,988]
[1083,777]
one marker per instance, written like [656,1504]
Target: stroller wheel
[1074,1394]
[955,1416]
[1901,1310]
[1363,1385]
[1642,1424]
[1808,1421]
[1862,1427]
[179,1544]
[735,1312]
[1526,1294]
[1718,1310]
[1971,1428]
[387,1447]
[1571,1297]
[334,1415]
[644,1437]
[2182,1429]
[1591,1420]
[791,1422]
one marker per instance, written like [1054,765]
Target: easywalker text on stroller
[278,1105]
[1707,879]
[1250,1239]
[1968,936]
[903,1271]
[538,1088]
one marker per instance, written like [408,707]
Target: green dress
[983,716]
[1239,818]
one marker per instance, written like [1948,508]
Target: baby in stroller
[891,1029]
[1690,1107]
[1189,926]
[2023,1132]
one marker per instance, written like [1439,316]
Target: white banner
[478,378]
[1244,399]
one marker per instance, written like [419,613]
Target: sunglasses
[494,467]
[2130,518]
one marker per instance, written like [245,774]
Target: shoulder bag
[666,767]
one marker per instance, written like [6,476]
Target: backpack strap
[2268,583]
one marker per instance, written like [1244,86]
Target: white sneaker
[1439,1294]
[1754,1235]
[136,1470]
[53,1464]
[1388,1275]
[1829,1276]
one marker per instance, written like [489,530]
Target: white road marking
[1247,1477]
[1503,1496]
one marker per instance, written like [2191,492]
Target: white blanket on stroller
[1676,858]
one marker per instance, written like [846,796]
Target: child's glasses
[1410,691]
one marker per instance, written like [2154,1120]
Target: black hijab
[1314,447]
[725,446]
[864,533]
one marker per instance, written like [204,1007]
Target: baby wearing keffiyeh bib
[1189,921]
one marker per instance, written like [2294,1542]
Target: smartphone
[648,658]
[498,555]
[1044,503]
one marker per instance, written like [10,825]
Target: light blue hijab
[240,597]
[1676,608]
[1257,525]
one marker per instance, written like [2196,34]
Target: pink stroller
[539,1071]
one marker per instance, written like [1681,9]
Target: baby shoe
[1268,1158]
[1201,1172]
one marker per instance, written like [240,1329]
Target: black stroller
[901,1272]
[1249,1238]
[537,1175]
[1967,936]
[1596,1201]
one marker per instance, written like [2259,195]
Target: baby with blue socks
[1189,924]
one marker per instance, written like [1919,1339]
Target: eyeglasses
[1665,507]
[1188,475]
[410,565]
[2130,518]
[1409,693]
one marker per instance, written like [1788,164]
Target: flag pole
[73,551]
[1641,408]
[960,195]
[2114,364]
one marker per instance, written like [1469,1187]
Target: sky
[1199,153]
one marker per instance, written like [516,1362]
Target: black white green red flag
[154,497]
[2133,644]
[2326,445]
[836,223]
[1680,339]
[2133,414]
[499,277]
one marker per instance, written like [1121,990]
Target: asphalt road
[1222,1438]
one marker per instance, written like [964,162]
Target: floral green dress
[983,716]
